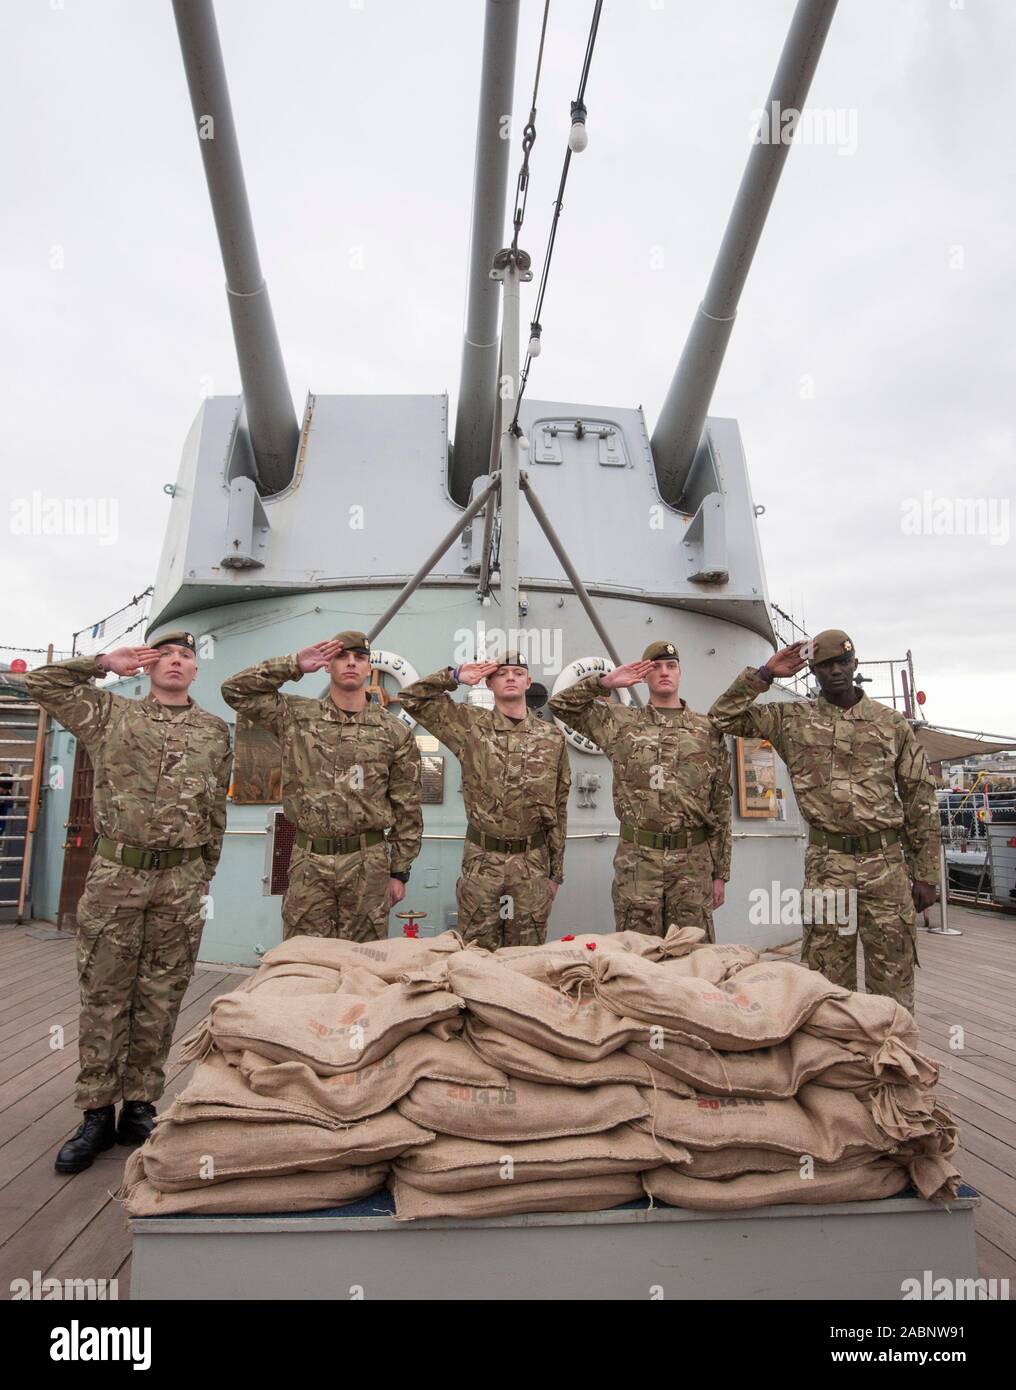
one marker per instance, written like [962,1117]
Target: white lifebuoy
[575,671]
[404,673]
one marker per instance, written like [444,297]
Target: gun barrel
[271,420]
[474,419]
[681,421]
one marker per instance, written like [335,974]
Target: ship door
[77,845]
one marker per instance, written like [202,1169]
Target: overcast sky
[872,363]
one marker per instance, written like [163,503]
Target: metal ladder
[19,724]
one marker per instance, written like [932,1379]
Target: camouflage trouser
[504,899]
[138,937]
[866,895]
[342,895]
[655,889]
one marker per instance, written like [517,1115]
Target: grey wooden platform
[856,1250]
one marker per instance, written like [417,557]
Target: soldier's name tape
[136,858]
[664,839]
[502,846]
[853,844]
[338,844]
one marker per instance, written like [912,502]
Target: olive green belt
[852,844]
[338,844]
[664,839]
[500,846]
[136,858]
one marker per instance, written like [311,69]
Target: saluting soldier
[161,776]
[350,773]
[671,793]
[863,785]
[515,783]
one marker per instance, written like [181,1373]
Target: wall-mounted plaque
[756,779]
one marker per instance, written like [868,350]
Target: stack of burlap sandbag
[292,1104]
[574,1076]
[776,1085]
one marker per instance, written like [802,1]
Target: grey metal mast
[474,419]
[679,428]
[271,422]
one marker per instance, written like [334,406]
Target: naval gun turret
[363,517]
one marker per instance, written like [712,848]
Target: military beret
[178,639]
[660,651]
[513,658]
[827,645]
[353,641]
[537,695]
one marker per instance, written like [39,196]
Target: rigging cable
[528,141]
[578,116]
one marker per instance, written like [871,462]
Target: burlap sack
[909,1115]
[866,1183]
[894,1062]
[770,1073]
[640,943]
[864,1018]
[562,1194]
[763,1004]
[199,1041]
[352,1095]
[704,962]
[294,980]
[523,1060]
[249,1196]
[572,1025]
[219,1090]
[460,1165]
[178,1157]
[934,1177]
[527,1110]
[388,960]
[819,1122]
[733,1163]
[343,1031]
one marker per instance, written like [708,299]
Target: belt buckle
[155,861]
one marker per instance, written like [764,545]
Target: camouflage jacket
[341,774]
[515,777]
[853,770]
[671,767]
[161,771]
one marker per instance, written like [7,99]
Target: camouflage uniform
[854,771]
[161,778]
[342,775]
[515,782]
[671,773]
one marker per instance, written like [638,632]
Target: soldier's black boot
[96,1132]
[137,1120]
